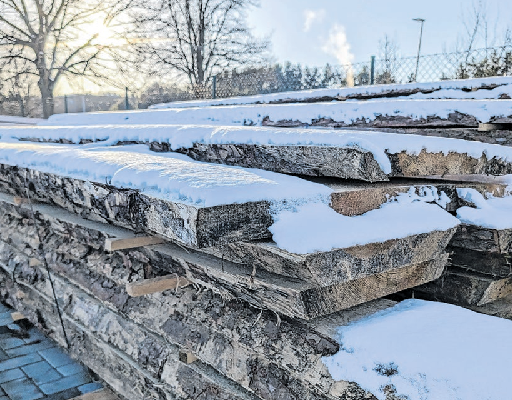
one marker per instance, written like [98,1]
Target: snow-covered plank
[379,113]
[288,296]
[11,120]
[363,155]
[319,245]
[481,88]
[359,198]
[180,199]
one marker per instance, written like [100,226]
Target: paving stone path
[34,367]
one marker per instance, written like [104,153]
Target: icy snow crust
[184,136]
[492,213]
[346,112]
[444,89]
[171,177]
[431,351]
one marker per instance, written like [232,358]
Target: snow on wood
[380,113]
[10,120]
[317,227]
[362,155]
[481,88]
[492,213]
[426,351]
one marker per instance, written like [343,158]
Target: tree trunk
[46,98]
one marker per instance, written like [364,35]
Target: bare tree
[196,38]
[50,39]
[388,56]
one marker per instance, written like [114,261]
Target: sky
[321,31]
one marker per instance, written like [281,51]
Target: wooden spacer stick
[20,200]
[492,127]
[113,244]
[17,316]
[187,357]
[156,285]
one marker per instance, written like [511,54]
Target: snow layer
[317,227]
[169,176]
[430,351]
[453,88]
[7,119]
[243,115]
[184,136]
[451,93]
[492,213]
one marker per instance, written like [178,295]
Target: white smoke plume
[311,17]
[338,46]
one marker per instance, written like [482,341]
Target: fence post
[66,110]
[126,101]
[214,87]
[372,71]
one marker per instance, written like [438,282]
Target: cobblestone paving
[34,367]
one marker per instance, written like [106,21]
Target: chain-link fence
[277,78]
[283,78]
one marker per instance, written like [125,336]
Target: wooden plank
[156,285]
[20,200]
[17,316]
[187,358]
[103,394]
[494,127]
[113,244]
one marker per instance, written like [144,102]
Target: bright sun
[105,35]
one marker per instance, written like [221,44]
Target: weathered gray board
[479,271]
[356,198]
[340,265]
[348,163]
[454,119]
[292,297]
[276,358]
[193,225]
[345,162]
[466,288]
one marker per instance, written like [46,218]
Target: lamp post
[419,47]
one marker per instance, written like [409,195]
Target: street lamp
[419,47]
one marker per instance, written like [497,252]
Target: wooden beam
[17,316]
[103,394]
[113,244]
[187,358]
[493,127]
[20,200]
[156,285]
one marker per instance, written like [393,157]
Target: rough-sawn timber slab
[348,162]
[288,296]
[338,265]
[196,226]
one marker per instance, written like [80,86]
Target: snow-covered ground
[492,213]
[184,136]
[444,89]
[427,351]
[346,112]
